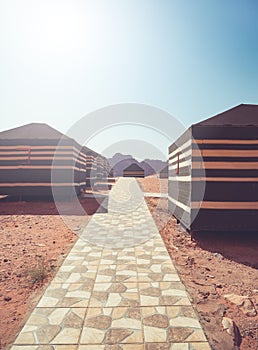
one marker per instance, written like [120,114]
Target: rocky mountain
[121,161]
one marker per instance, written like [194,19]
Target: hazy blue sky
[60,60]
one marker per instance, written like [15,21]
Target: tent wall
[26,167]
[102,168]
[91,170]
[136,173]
[133,170]
[228,169]
[38,161]
[179,180]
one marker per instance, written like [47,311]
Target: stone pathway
[116,290]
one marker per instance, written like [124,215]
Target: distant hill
[121,161]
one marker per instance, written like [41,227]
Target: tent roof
[89,151]
[134,167]
[32,131]
[241,115]
[40,131]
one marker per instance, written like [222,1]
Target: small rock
[228,325]
[235,299]
[218,255]
[244,303]
[248,308]
[7,298]
[231,328]
[5,260]
[204,295]
[77,228]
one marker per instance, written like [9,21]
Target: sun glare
[61,29]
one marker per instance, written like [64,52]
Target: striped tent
[133,170]
[35,157]
[91,166]
[97,167]
[213,173]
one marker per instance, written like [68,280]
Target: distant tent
[29,153]
[133,170]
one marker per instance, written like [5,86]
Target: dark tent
[133,170]
[213,172]
[35,157]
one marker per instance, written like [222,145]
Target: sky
[61,60]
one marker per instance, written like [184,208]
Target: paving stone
[124,326]
[114,294]
[117,288]
[151,291]
[156,320]
[117,335]
[162,293]
[176,327]
[179,334]
[61,325]
[159,346]
[67,295]
[86,276]
[117,273]
[184,322]
[99,322]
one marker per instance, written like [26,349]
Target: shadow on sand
[241,247]
[88,206]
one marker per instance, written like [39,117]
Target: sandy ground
[33,243]
[153,184]
[211,267]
